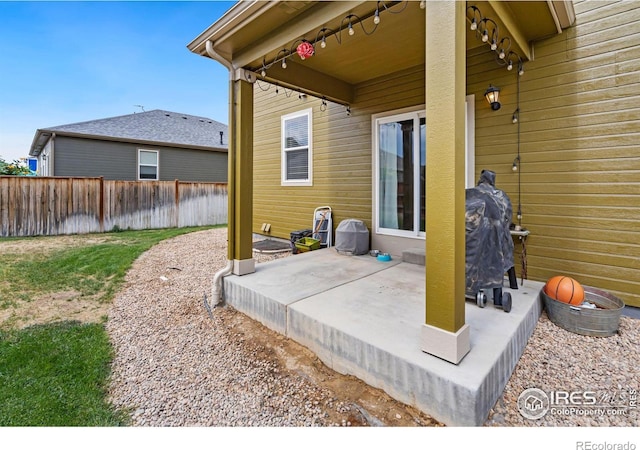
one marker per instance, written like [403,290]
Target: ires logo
[575,398]
[534,403]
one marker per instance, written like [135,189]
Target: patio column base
[451,347]
[244,266]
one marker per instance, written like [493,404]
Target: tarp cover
[489,246]
[352,237]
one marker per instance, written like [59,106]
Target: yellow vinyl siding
[342,158]
[579,144]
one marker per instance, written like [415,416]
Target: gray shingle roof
[156,126]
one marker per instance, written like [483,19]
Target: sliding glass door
[400,184]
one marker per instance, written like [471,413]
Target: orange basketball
[564,289]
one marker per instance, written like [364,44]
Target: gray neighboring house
[152,145]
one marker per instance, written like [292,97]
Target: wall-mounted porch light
[492,94]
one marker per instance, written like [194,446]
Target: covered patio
[402,327]
[361,317]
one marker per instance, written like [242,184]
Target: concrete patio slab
[265,294]
[363,317]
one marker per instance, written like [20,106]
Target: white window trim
[157,166]
[416,113]
[470,152]
[283,165]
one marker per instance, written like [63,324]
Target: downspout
[216,294]
[51,172]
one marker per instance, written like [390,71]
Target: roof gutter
[218,57]
[99,137]
[39,140]
[240,14]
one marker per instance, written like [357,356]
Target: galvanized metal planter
[589,322]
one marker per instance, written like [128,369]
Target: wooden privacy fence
[34,206]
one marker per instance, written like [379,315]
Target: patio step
[414,256]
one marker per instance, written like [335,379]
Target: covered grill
[352,237]
[489,246]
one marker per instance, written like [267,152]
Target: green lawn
[57,374]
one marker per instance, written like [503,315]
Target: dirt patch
[53,307]
[19,311]
[369,406]
[46,244]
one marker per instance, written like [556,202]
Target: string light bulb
[487,31]
[320,37]
[505,46]
[476,15]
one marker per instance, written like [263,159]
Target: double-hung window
[296,149]
[148,167]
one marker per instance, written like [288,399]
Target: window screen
[297,164]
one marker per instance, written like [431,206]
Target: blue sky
[71,61]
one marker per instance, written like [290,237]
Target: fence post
[101,205]
[177,202]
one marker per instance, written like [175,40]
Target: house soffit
[397,43]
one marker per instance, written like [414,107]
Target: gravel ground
[175,365]
[559,360]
